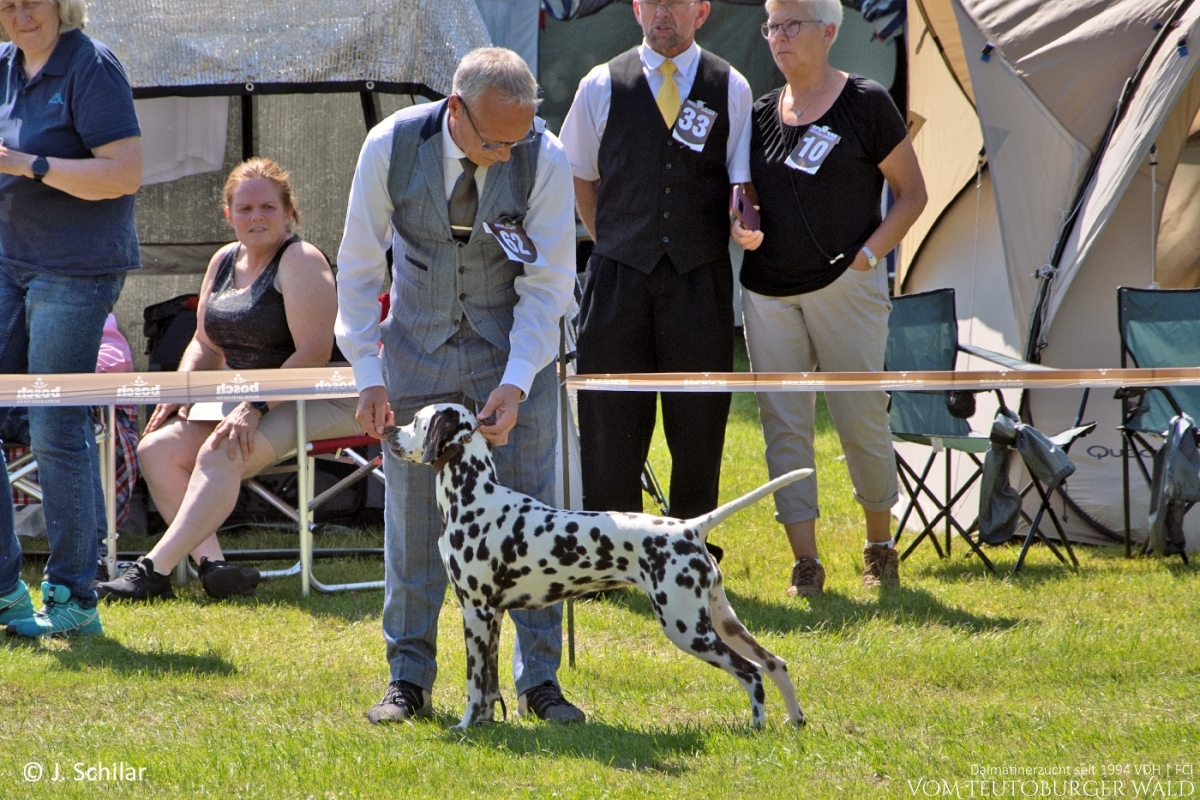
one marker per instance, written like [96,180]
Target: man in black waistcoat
[655,138]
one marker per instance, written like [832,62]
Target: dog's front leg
[481,630]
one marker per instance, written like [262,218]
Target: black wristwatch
[260,406]
[40,167]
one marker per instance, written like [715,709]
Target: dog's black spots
[700,645]
[456,538]
[681,625]
[455,568]
[468,554]
[489,488]
[629,515]
[542,562]
[771,664]
[622,563]
[554,593]
[518,524]
[629,546]
[525,570]
[453,512]
[538,531]
[525,508]
[506,509]
[704,624]
[572,527]
[487,527]
[485,590]
[565,550]
[477,603]
[683,547]
[473,531]
[585,564]
[661,598]
[581,580]
[520,602]
[595,534]
[468,517]
[473,583]
[658,521]
[703,571]
[549,571]
[685,580]
[482,552]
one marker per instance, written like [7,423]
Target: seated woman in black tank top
[267,301]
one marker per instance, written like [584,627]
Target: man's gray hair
[495,68]
[829,11]
[72,15]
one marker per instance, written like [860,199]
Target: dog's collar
[453,450]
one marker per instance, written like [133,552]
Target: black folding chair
[1159,328]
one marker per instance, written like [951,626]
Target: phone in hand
[744,210]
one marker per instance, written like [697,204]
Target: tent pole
[247,127]
[1153,208]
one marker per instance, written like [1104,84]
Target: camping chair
[343,450]
[923,335]
[1159,328]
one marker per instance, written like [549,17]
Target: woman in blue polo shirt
[70,162]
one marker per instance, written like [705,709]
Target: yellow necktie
[668,94]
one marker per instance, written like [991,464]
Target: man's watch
[40,167]
[871,259]
[260,406]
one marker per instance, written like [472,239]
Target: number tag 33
[515,242]
[694,124]
[813,149]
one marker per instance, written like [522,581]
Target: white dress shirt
[543,293]
[588,117]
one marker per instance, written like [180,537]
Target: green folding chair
[1159,328]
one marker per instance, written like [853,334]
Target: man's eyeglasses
[527,139]
[674,6]
[789,28]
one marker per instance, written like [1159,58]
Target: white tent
[1066,98]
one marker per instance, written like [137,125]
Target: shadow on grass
[102,652]
[905,606]
[664,751]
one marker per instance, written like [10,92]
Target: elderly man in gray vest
[475,199]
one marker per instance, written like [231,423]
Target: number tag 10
[694,124]
[813,149]
[515,241]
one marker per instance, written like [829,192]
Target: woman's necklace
[799,112]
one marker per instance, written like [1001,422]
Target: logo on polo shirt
[57,100]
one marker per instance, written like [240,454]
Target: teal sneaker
[61,616]
[16,604]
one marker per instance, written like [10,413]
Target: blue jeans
[64,322]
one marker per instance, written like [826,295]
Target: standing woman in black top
[815,292]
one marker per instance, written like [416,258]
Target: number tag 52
[694,124]
[515,242]
[814,147]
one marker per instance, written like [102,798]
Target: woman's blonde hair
[267,170]
[72,16]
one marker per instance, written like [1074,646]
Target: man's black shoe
[401,701]
[139,582]
[222,579]
[548,704]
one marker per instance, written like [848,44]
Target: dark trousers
[661,322]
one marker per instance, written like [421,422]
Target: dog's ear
[441,427]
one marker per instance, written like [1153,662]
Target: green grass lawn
[921,692]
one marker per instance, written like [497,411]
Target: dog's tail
[703,524]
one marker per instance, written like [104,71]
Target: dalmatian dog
[505,550]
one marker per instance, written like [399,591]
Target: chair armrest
[1003,360]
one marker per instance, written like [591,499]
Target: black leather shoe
[401,701]
[548,704]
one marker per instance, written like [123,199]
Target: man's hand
[162,413]
[374,412]
[502,404]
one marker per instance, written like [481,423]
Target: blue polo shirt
[79,101]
